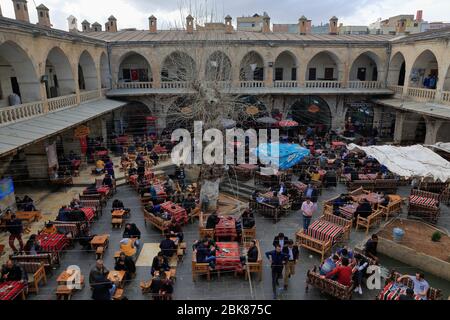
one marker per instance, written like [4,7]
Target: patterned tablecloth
[393,291]
[148,176]
[300,186]
[103,190]
[229,259]
[372,197]
[369,176]
[176,211]
[348,211]
[102,153]
[323,230]
[89,213]
[226,227]
[10,290]
[283,199]
[52,242]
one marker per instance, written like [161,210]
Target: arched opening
[104,71]
[443,133]
[365,67]
[218,67]
[134,68]
[285,67]
[311,111]
[323,66]
[134,116]
[59,76]
[87,72]
[359,118]
[425,71]
[421,131]
[252,67]
[178,66]
[179,115]
[18,79]
[396,75]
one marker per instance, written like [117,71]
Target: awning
[425,108]
[21,134]
[413,161]
[444,146]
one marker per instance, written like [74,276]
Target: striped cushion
[323,230]
[429,202]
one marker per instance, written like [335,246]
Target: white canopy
[444,146]
[412,161]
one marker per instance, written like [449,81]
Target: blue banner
[6,188]
[283,155]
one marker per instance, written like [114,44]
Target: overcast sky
[135,13]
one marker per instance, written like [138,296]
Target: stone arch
[252,67]
[87,72]
[361,116]
[285,67]
[365,67]
[18,74]
[324,65]
[178,66]
[134,115]
[58,69]
[105,76]
[218,67]
[134,67]
[443,133]
[311,111]
[424,65]
[397,69]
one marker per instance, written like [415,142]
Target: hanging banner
[83,144]
[7,198]
[52,155]
[81,131]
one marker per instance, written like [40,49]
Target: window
[18,6]
[278,74]
[25,7]
[312,74]
[112,23]
[294,74]
[41,14]
[329,74]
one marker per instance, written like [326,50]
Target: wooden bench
[63,181]
[248,235]
[35,274]
[266,210]
[427,212]
[46,259]
[386,185]
[432,294]
[94,204]
[255,267]
[328,286]
[118,295]
[72,228]
[373,220]
[203,232]
[157,222]
[392,209]
[96,196]
[117,223]
[99,252]
[63,293]
[364,184]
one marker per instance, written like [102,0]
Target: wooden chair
[117,223]
[199,269]
[255,267]
[63,293]
[248,235]
[35,274]
[373,220]
[393,208]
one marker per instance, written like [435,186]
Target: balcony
[421,94]
[30,110]
[286,84]
[135,85]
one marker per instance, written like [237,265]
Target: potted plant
[436,237]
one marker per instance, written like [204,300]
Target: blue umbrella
[283,155]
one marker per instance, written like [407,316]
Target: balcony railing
[285,84]
[20,112]
[397,89]
[174,85]
[219,84]
[422,94]
[89,95]
[445,97]
[323,84]
[135,85]
[252,84]
[58,103]
[365,84]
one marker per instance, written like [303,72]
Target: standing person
[15,228]
[280,240]
[308,209]
[292,252]
[277,260]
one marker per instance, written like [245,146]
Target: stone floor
[225,288]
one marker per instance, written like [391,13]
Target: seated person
[32,246]
[421,286]
[99,167]
[212,221]
[252,252]
[342,273]
[329,264]
[159,263]
[345,253]
[127,247]
[126,264]
[166,287]
[84,238]
[156,285]
[154,157]
[364,209]
[91,189]
[385,201]
[63,214]
[132,231]
[354,175]
[108,181]
[370,248]
[206,254]
[118,205]
[76,215]
[11,272]
[315,176]
[408,295]
[339,202]
[154,209]
[168,246]
[174,229]
[273,200]
[49,228]
[28,204]
[189,203]
[75,204]
[248,219]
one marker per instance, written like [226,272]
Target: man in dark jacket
[98,271]
[292,252]
[189,203]
[278,260]
[212,221]
[11,272]
[364,209]
[205,254]
[159,263]
[102,288]
[15,228]
[131,231]
[252,253]
[168,247]
[280,240]
[126,264]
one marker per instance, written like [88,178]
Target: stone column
[37,161]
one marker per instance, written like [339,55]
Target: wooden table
[100,241]
[118,214]
[66,278]
[117,277]
[373,198]
[10,290]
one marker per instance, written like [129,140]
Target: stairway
[237,188]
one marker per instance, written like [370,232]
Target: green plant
[436,237]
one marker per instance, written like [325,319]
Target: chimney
[43,16]
[85,26]
[112,24]
[266,23]
[21,10]
[96,27]
[303,25]
[228,24]
[153,24]
[333,25]
[73,24]
[190,24]
[419,16]
[401,26]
